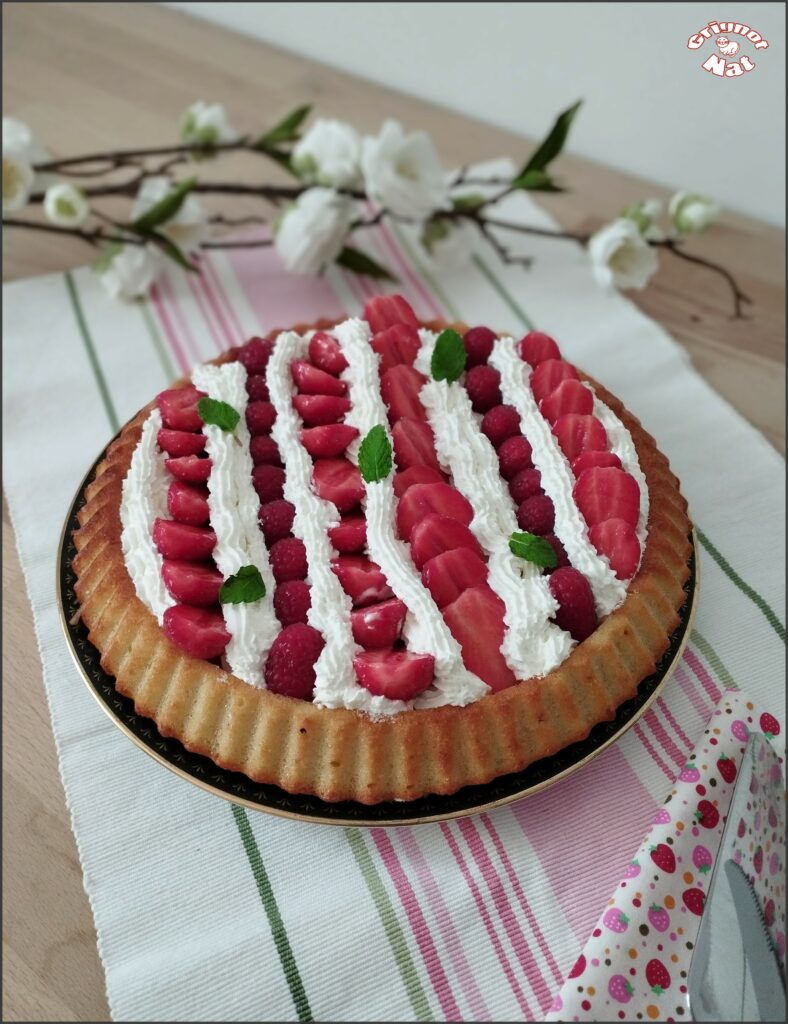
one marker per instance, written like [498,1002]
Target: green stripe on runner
[745,588]
[713,659]
[275,922]
[388,917]
[170,373]
[525,320]
[432,284]
[90,348]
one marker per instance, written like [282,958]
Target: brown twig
[739,298]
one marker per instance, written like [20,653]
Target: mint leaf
[374,456]
[246,586]
[448,357]
[554,142]
[286,130]
[165,209]
[533,549]
[360,263]
[218,414]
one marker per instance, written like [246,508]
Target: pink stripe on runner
[661,733]
[227,338]
[608,810]
[213,273]
[663,706]
[654,755]
[170,300]
[533,924]
[426,297]
[690,688]
[483,913]
[418,925]
[705,679]
[443,917]
[169,330]
[197,292]
[502,905]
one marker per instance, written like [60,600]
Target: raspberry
[260,417]
[560,551]
[254,355]
[501,422]
[483,386]
[268,482]
[514,455]
[292,602]
[536,515]
[256,388]
[276,520]
[526,484]
[576,612]
[478,343]
[290,668]
[263,448]
[288,559]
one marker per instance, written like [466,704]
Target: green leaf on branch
[553,144]
[470,201]
[536,181]
[360,263]
[285,131]
[171,250]
[165,209]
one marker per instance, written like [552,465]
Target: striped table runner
[205,911]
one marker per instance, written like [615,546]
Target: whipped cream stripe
[143,500]
[622,445]
[425,631]
[233,506]
[335,678]
[557,479]
[532,645]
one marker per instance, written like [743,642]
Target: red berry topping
[338,481]
[350,535]
[254,355]
[549,374]
[386,310]
[192,582]
[263,450]
[179,541]
[290,668]
[276,520]
[398,675]
[292,601]
[422,499]
[188,503]
[414,444]
[618,542]
[325,353]
[569,396]
[500,423]
[526,484]
[483,384]
[396,345]
[560,551]
[312,381]
[478,343]
[399,388]
[378,625]
[190,468]
[328,441]
[269,482]
[257,388]
[178,407]
[448,574]
[260,417]
[576,610]
[288,559]
[180,442]
[200,632]
[536,514]
[577,434]
[595,460]
[475,619]
[607,494]
[416,475]
[436,533]
[317,410]
[514,455]
[536,348]
[362,580]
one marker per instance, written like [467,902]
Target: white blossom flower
[620,256]
[313,230]
[692,212]
[446,246]
[205,124]
[66,205]
[329,154]
[645,214]
[403,172]
[189,228]
[130,270]
[20,152]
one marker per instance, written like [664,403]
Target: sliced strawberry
[312,381]
[317,410]
[569,396]
[436,533]
[396,345]
[414,444]
[399,388]
[188,503]
[475,619]
[180,442]
[325,353]
[577,434]
[361,579]
[264,451]
[607,493]
[339,481]
[378,625]
[192,582]
[350,536]
[422,499]
[416,475]
[447,575]
[576,612]
[187,543]
[386,310]
[260,417]
[398,675]
[617,540]
[190,468]
[549,374]
[178,407]
[536,348]
[327,441]
[200,632]
[594,460]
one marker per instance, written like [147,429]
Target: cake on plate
[382,559]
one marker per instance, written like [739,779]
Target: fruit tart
[382,559]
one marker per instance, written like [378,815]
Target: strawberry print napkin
[636,962]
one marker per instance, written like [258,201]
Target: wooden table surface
[97,76]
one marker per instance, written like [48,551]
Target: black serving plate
[240,789]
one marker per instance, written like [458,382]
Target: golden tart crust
[338,754]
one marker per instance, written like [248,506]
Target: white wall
[649,107]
